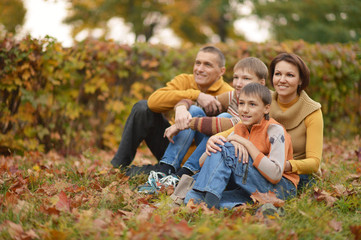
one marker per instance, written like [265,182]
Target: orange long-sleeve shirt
[274,144]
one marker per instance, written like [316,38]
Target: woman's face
[286,79]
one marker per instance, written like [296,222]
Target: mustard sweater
[303,120]
[181,87]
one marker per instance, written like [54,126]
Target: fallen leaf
[49,210]
[269,197]
[339,189]
[100,224]
[352,177]
[55,234]
[321,195]
[356,231]
[16,231]
[125,214]
[63,204]
[194,208]
[337,226]
[358,153]
[145,213]
[11,198]
[183,228]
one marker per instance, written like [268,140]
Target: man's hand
[182,117]
[212,146]
[210,104]
[170,132]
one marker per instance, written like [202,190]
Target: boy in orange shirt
[223,181]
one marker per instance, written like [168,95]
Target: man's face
[241,77]
[206,70]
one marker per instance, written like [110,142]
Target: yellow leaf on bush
[26,75]
[115,106]
[36,168]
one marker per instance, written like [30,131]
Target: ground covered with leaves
[47,196]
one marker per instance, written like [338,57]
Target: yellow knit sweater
[303,120]
[181,87]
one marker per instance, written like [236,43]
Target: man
[146,121]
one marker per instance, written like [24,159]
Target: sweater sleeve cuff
[258,159]
[184,102]
[192,123]
[293,166]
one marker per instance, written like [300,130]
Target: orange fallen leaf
[183,228]
[63,204]
[356,231]
[125,214]
[269,197]
[195,207]
[49,210]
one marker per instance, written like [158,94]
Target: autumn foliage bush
[70,99]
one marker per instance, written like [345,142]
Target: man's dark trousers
[142,124]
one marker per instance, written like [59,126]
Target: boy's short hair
[253,64]
[259,90]
[218,52]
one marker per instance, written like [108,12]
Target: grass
[47,196]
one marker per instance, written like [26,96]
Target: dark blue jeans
[142,124]
[223,176]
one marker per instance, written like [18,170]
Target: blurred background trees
[192,21]
[199,22]
[323,21]
[12,15]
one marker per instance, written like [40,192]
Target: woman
[298,113]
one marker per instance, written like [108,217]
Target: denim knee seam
[176,162]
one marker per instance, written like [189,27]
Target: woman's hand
[240,151]
[170,132]
[212,146]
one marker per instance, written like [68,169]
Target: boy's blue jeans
[222,175]
[175,153]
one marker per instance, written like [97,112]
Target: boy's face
[241,77]
[251,109]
